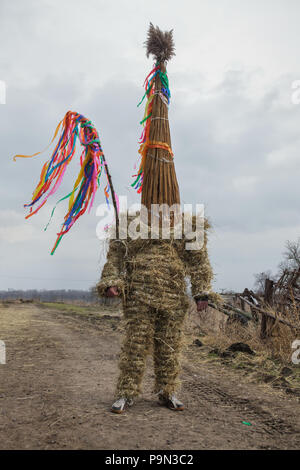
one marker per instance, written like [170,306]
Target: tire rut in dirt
[214,395]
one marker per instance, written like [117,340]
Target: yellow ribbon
[79,177]
[38,153]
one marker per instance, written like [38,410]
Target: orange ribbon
[38,153]
[160,145]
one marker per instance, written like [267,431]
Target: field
[57,386]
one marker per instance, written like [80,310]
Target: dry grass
[271,362]
[221,333]
[160,44]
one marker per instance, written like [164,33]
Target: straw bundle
[160,184]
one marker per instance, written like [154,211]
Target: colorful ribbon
[146,121]
[74,126]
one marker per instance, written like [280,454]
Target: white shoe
[171,402]
[121,404]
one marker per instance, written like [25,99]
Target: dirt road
[57,386]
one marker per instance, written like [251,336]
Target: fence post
[267,322]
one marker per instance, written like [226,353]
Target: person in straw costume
[149,274]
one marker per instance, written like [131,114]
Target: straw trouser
[151,274]
[145,327]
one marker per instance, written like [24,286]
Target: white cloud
[14,229]
[17,234]
[285,157]
[243,254]
[245,183]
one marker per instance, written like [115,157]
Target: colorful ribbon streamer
[74,126]
[146,121]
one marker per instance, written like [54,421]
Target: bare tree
[292,254]
[260,280]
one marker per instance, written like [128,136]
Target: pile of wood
[279,302]
[286,291]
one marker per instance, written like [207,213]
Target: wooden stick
[270,315]
[231,307]
[112,195]
[219,308]
[240,312]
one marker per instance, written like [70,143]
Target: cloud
[247,253]
[13,228]
[235,131]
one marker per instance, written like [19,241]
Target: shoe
[120,405]
[171,402]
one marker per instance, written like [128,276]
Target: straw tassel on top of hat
[156,178]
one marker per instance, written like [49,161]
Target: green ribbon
[145,119]
[62,199]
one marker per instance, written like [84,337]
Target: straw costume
[150,273]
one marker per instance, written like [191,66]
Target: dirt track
[57,386]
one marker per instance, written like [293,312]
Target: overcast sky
[235,130]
